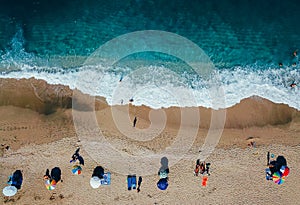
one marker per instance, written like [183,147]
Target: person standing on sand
[197,168]
[207,168]
[268,158]
[134,121]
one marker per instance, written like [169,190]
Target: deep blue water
[231,32]
[243,36]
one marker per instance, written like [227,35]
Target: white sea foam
[162,88]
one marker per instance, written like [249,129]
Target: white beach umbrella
[9,190]
[95,182]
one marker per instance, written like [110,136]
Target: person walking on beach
[134,121]
[268,158]
[139,184]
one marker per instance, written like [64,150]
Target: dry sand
[36,123]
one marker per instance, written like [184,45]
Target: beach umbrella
[9,190]
[95,182]
[284,170]
[76,169]
[162,184]
[50,184]
[278,178]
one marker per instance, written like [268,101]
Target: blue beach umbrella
[162,184]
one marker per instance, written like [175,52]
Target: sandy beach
[37,132]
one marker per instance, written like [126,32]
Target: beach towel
[106,179]
[131,182]
[204,180]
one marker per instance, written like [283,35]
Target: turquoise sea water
[244,39]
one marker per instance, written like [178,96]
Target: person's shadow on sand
[164,166]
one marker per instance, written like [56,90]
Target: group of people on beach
[99,177]
[277,168]
[201,168]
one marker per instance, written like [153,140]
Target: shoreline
[37,94]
